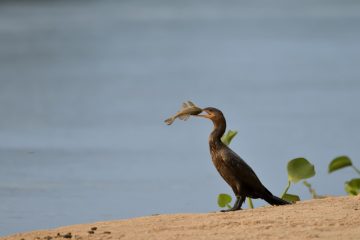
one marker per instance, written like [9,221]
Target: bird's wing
[242,170]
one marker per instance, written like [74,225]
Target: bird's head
[213,114]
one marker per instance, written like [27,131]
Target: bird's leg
[237,205]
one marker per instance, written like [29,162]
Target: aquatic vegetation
[224,200]
[226,139]
[352,187]
[312,190]
[298,169]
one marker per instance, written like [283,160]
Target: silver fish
[188,108]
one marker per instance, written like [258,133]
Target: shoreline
[328,218]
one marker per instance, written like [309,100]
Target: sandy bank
[329,218]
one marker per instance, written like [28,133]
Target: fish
[188,108]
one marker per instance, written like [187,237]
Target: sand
[329,218]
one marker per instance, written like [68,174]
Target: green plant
[226,139]
[298,169]
[312,190]
[352,187]
[341,162]
[224,200]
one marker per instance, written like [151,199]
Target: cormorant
[234,170]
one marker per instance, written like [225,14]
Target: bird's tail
[274,200]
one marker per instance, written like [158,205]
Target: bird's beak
[203,115]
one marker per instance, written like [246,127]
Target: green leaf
[226,139]
[224,200]
[299,169]
[339,162]
[290,197]
[352,187]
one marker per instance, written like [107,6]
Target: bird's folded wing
[240,168]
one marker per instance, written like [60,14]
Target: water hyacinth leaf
[290,197]
[339,162]
[299,169]
[352,187]
[224,200]
[226,139]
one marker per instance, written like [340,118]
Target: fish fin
[184,117]
[191,104]
[184,105]
[169,121]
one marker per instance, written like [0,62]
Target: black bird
[234,170]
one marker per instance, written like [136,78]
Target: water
[85,87]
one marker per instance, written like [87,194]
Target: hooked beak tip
[203,115]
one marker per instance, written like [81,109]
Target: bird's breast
[226,173]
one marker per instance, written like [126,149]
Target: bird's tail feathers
[274,200]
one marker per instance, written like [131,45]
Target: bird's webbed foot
[231,209]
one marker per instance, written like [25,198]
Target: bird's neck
[217,133]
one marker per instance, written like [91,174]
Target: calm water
[85,87]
